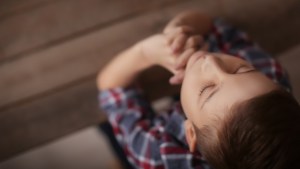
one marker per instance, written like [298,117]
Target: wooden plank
[62,20]
[71,107]
[290,61]
[45,119]
[73,60]
[64,111]
[276,31]
[12,7]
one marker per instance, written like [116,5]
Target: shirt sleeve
[148,140]
[125,108]
[225,38]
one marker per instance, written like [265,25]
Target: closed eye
[243,69]
[209,95]
[240,70]
[205,88]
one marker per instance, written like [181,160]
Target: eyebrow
[214,92]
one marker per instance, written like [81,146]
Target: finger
[179,29]
[194,42]
[205,47]
[171,34]
[170,27]
[178,43]
[182,60]
[177,78]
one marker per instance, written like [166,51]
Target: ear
[190,135]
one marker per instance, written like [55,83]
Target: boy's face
[213,83]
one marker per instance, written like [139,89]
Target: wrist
[123,69]
[143,61]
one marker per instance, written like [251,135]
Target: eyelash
[240,67]
[204,88]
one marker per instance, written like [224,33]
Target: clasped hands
[172,49]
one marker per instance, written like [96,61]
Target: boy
[238,111]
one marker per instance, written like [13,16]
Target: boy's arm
[123,69]
[135,125]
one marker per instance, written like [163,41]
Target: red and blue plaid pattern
[153,141]
[149,141]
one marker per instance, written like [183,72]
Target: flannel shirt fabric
[153,141]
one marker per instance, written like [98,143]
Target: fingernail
[172,80]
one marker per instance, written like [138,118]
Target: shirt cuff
[117,101]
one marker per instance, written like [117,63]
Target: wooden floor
[51,51]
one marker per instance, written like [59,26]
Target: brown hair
[261,133]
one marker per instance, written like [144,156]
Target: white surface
[86,149]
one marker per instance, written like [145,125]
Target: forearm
[123,69]
[200,21]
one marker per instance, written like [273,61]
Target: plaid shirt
[158,141]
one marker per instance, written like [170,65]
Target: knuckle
[191,41]
[195,41]
[193,50]
[176,42]
[181,36]
[180,30]
[200,38]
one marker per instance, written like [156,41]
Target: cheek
[189,96]
[190,103]
[185,101]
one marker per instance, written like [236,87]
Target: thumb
[177,78]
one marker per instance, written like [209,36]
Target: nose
[195,57]
[215,66]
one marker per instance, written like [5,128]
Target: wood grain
[62,95]
[73,60]
[65,111]
[13,7]
[274,24]
[48,118]
[63,20]
[290,61]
